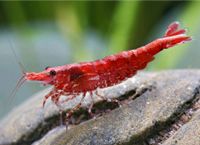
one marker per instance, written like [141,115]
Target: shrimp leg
[70,112]
[108,99]
[49,95]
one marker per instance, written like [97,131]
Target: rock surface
[162,108]
[188,134]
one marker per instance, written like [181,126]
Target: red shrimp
[72,79]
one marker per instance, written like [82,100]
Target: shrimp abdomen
[115,68]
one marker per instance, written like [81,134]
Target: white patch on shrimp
[94,78]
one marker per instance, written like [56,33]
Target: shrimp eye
[52,72]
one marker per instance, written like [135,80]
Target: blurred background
[56,33]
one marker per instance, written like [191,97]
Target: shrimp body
[77,78]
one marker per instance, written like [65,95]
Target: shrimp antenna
[13,93]
[21,66]
[20,81]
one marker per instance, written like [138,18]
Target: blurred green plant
[123,21]
[189,17]
[67,18]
